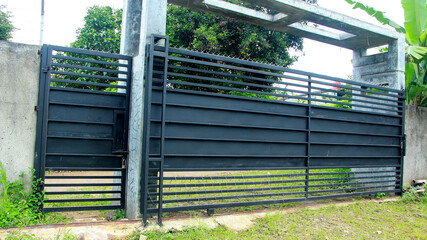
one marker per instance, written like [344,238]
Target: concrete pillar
[387,69]
[141,18]
[383,69]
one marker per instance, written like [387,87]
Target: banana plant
[415,29]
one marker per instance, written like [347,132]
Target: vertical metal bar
[123,189]
[307,176]
[38,159]
[162,141]
[40,148]
[403,140]
[146,126]
[45,111]
[128,94]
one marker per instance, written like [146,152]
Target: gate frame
[395,111]
[42,124]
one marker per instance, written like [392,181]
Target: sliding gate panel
[311,136]
[82,128]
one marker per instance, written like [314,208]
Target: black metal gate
[308,136]
[82,128]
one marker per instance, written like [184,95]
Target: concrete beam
[357,34]
[240,10]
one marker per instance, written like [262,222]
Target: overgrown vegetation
[20,205]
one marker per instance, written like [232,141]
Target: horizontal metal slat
[84,169]
[88,83]
[235,177]
[230,125]
[95,92]
[83,155]
[88,68]
[231,197]
[81,138]
[79,192]
[80,200]
[89,61]
[85,105]
[83,208]
[90,52]
[231,109]
[81,184]
[82,177]
[226,184]
[80,122]
[88,76]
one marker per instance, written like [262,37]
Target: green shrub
[19,206]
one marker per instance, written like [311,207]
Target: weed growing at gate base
[20,205]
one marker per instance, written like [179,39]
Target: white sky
[63,17]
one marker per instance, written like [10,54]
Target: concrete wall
[416,144]
[19,83]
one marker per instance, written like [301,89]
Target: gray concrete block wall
[415,165]
[19,84]
[382,69]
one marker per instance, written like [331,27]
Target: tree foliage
[195,31]
[380,16]
[226,36]
[6,26]
[101,30]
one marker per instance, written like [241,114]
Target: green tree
[6,27]
[196,31]
[101,30]
[226,36]
[416,51]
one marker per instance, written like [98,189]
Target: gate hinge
[403,145]
[46,70]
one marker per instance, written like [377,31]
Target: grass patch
[384,220]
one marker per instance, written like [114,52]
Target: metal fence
[286,135]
